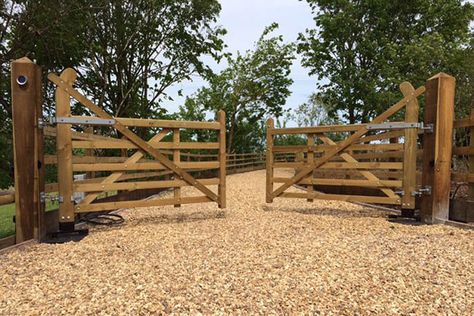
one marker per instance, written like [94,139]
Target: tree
[362,50]
[47,31]
[253,85]
[314,112]
[127,52]
[140,48]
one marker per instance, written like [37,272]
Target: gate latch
[424,190]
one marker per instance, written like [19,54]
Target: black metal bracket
[67,232]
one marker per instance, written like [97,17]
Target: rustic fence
[414,174]
[357,165]
[236,163]
[368,163]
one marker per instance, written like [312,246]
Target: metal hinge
[41,123]
[53,199]
[400,125]
[424,190]
[401,193]
[82,120]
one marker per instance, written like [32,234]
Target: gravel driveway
[331,258]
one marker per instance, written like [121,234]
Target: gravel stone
[291,256]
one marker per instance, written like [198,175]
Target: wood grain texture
[26,108]
[410,148]
[221,191]
[437,148]
[348,141]
[133,137]
[64,150]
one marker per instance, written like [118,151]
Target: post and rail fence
[368,163]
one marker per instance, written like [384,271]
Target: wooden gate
[151,159]
[363,167]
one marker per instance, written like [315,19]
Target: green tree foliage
[127,52]
[140,48]
[313,112]
[362,50]
[48,31]
[253,85]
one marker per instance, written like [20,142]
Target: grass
[7,227]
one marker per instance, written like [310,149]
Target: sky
[245,21]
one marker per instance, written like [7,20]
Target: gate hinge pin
[424,190]
[402,193]
[42,197]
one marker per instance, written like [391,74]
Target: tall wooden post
[222,160]
[269,181]
[27,143]
[409,153]
[64,153]
[437,148]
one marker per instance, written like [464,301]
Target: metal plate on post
[82,121]
[394,125]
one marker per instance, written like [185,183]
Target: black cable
[104,219]
[456,190]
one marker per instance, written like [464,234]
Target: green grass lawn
[7,227]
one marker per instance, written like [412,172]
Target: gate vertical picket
[176,160]
[310,158]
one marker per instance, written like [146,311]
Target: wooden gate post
[27,143]
[409,153]
[64,153]
[269,161]
[222,160]
[437,148]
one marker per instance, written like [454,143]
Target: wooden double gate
[355,163]
[140,159]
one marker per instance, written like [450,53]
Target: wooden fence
[359,165]
[236,163]
[131,169]
[365,165]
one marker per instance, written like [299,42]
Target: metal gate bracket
[41,123]
[400,125]
[82,120]
[44,198]
[424,190]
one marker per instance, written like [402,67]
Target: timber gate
[139,159]
[369,165]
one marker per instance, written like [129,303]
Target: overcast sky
[245,21]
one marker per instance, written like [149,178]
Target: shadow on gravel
[325,211]
[175,218]
[163,219]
